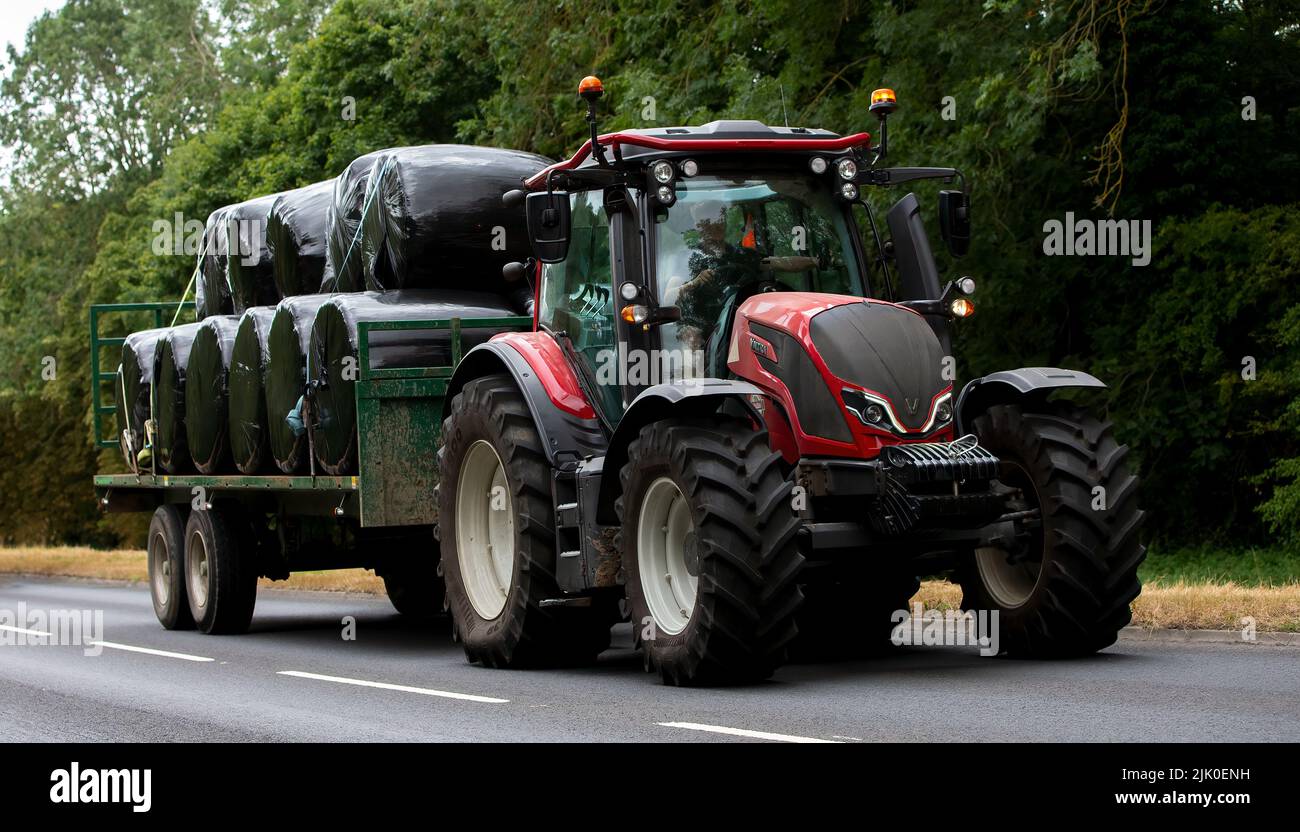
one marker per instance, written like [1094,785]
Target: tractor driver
[718,270]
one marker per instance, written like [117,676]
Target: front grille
[923,462]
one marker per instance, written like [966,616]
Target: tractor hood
[819,346]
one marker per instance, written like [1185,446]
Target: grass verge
[1199,592]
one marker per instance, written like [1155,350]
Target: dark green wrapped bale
[343,269]
[211,289]
[434,220]
[171,450]
[206,373]
[295,238]
[248,261]
[246,408]
[132,391]
[286,377]
[332,354]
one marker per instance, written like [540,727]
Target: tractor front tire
[709,551]
[1061,584]
[497,529]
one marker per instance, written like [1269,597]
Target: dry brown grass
[1182,606]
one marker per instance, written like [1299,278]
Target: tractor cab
[650,242]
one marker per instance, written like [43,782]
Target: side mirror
[548,225]
[954,221]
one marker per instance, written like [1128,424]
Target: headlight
[849,191]
[847,168]
[817,165]
[663,172]
[874,414]
[665,195]
[690,167]
[943,413]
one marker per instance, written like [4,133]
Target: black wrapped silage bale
[434,220]
[248,261]
[171,449]
[206,373]
[295,238]
[133,390]
[246,408]
[211,289]
[286,377]
[332,354]
[343,268]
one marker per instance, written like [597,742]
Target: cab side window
[578,295]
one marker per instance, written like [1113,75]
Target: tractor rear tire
[220,570]
[709,551]
[497,529]
[1061,587]
[166,553]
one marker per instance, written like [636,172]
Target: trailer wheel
[1061,584]
[497,531]
[412,581]
[220,571]
[166,552]
[708,543]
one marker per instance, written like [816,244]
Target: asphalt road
[399,681]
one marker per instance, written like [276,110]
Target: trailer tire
[489,442]
[412,581]
[1074,599]
[709,550]
[165,550]
[220,570]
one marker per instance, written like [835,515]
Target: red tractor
[734,425]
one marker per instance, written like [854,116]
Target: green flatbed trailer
[381,518]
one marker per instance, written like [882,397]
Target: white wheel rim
[669,588]
[1010,584]
[197,563]
[161,572]
[485,530]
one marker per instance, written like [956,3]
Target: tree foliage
[129,111]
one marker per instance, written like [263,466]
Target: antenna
[784,115]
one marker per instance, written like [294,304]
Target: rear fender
[663,401]
[565,419]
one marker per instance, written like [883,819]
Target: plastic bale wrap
[132,391]
[434,218]
[295,238]
[286,377]
[248,261]
[246,408]
[343,269]
[211,291]
[332,355]
[171,450]
[206,385]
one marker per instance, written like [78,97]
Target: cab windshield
[727,239]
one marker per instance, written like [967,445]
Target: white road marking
[446,694]
[166,654]
[38,633]
[742,732]
[851,739]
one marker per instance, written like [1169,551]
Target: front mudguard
[1025,385]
